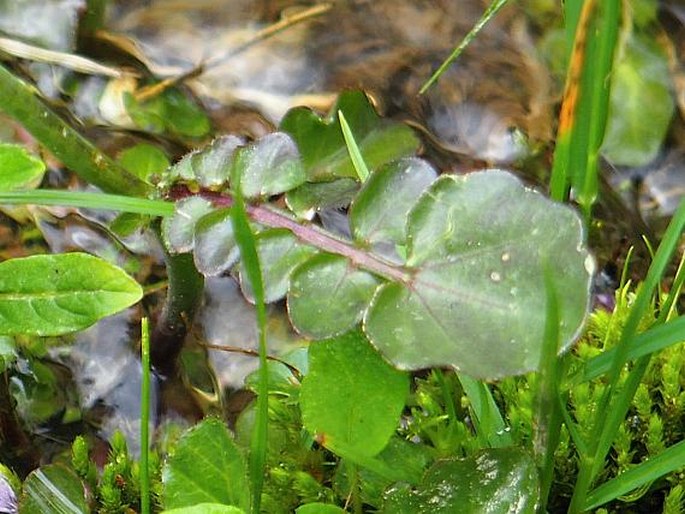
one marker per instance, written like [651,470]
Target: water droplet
[506,257]
[512,341]
[590,266]
[495,276]
[513,291]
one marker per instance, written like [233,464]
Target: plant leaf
[322,145]
[178,231]
[269,166]
[328,296]
[206,467]
[310,198]
[495,480]
[279,254]
[351,396]
[56,294]
[53,489]
[477,246]
[215,247]
[144,160]
[209,167]
[319,508]
[206,508]
[379,213]
[18,168]
[641,77]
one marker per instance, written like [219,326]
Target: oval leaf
[270,166]
[178,231]
[351,396]
[215,247]
[328,296]
[206,467]
[379,213]
[640,77]
[53,489]
[279,254]
[209,167]
[50,295]
[18,168]
[494,481]
[478,246]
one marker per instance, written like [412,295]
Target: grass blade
[248,253]
[488,421]
[547,414]
[86,200]
[492,9]
[353,149]
[669,460]
[145,417]
[653,340]
[614,403]
[22,102]
[586,102]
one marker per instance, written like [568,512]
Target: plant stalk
[22,102]
[309,234]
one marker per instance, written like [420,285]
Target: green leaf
[144,160]
[178,231]
[56,294]
[53,489]
[476,299]
[640,77]
[8,352]
[215,247]
[496,480]
[379,213]
[328,296]
[309,198]
[18,168]
[279,254]
[209,167]
[170,111]
[206,508]
[322,145]
[319,508]
[351,396]
[206,467]
[269,166]
[670,460]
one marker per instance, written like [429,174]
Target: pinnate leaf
[56,294]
